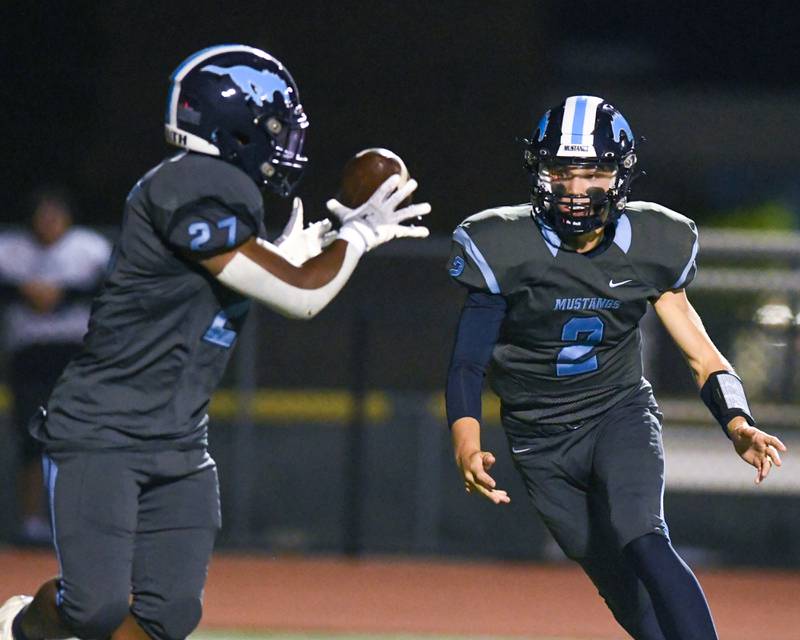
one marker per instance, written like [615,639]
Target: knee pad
[94,620]
[172,620]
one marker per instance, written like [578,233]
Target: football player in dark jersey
[133,492]
[556,290]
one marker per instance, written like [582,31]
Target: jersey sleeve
[208,226]
[667,244]
[478,329]
[680,261]
[201,205]
[468,266]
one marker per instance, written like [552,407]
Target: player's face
[574,181]
[50,221]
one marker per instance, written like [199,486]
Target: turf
[240,635]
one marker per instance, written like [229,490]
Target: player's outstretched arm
[721,389]
[300,292]
[262,271]
[476,336]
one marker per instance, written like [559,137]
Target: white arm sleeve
[250,279]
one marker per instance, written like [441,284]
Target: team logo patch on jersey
[256,85]
[458,267]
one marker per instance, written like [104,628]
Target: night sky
[448,85]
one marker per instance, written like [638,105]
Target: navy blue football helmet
[242,105]
[583,131]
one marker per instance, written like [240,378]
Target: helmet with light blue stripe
[241,104]
[582,132]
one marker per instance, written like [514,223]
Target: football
[366,171]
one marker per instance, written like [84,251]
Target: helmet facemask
[270,151]
[571,214]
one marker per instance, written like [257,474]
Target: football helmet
[587,132]
[241,104]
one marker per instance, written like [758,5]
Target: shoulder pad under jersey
[202,205]
[663,244]
[489,245]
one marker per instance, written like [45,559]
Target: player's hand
[297,244]
[379,220]
[756,447]
[42,297]
[474,467]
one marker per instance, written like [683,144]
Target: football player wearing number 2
[133,492]
[556,290]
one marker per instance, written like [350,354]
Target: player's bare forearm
[686,328]
[473,463]
[682,322]
[466,436]
[315,273]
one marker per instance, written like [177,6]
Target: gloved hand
[295,244]
[378,220]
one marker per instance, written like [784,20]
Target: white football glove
[295,244]
[378,219]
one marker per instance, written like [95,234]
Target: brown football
[366,171]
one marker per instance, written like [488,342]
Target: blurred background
[330,435]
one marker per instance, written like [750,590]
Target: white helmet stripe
[577,126]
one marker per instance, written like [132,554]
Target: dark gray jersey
[570,345]
[162,328]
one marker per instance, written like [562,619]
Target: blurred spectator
[49,274]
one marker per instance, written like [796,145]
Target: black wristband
[724,396]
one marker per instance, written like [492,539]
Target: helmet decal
[186,66]
[618,125]
[256,85]
[541,129]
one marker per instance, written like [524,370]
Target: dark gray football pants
[597,487]
[133,532]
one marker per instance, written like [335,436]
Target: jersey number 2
[586,333]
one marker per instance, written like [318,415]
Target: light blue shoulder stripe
[462,237]
[551,238]
[622,234]
[680,281]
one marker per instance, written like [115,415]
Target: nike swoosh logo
[613,284]
[515,450]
